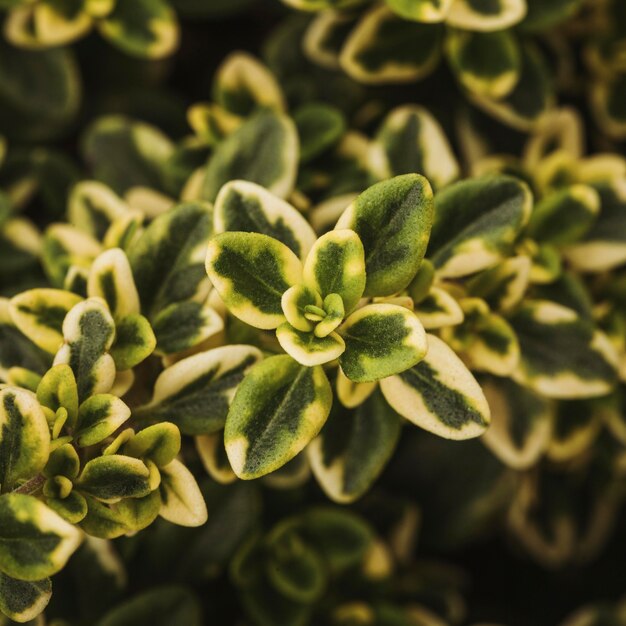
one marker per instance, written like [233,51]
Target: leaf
[147,29]
[134,342]
[93,207]
[89,331]
[439,394]
[213,456]
[243,84]
[485,63]
[476,223]
[34,541]
[99,417]
[264,150]
[336,265]
[543,15]
[105,521]
[476,15]
[63,461]
[58,389]
[438,309]
[22,600]
[521,423]
[564,216]
[39,314]
[350,453]
[562,356]
[320,126]
[24,436]
[409,140]
[278,408]
[381,340]
[115,476]
[383,48]
[160,606]
[251,272]
[393,220]
[167,259]
[504,285]
[111,279]
[182,501]
[421,10]
[247,207]
[72,508]
[159,443]
[195,393]
[308,349]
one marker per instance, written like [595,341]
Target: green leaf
[247,207]
[182,501]
[134,341]
[58,389]
[39,314]
[476,223]
[438,309]
[195,392]
[263,150]
[63,461]
[308,349]
[109,478]
[22,600]
[72,508]
[544,15]
[411,140]
[353,448]
[93,207]
[24,436]
[147,28]
[485,16]
[336,265]
[159,443]
[421,10]
[251,272]
[294,303]
[439,394]
[99,417]
[564,216]
[278,408]
[393,220]
[105,521]
[243,84]
[521,423]
[161,606]
[562,356]
[502,287]
[381,340]
[89,331]
[320,126]
[34,541]
[167,259]
[383,48]
[486,64]
[111,279]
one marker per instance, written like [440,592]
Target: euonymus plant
[330,330]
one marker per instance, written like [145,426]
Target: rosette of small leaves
[145,28]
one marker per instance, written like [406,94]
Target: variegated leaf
[195,393]
[263,150]
[411,140]
[24,437]
[22,600]
[353,448]
[39,314]
[439,394]
[562,356]
[278,408]
[576,425]
[502,287]
[247,207]
[477,15]
[438,309]
[308,349]
[320,126]
[58,389]
[214,459]
[421,10]
[352,394]
[381,340]
[521,423]
[109,478]
[181,500]
[98,417]
[384,48]
[34,541]
[324,36]
[89,331]
[251,272]
[476,223]
[167,259]
[393,220]
[134,341]
[159,444]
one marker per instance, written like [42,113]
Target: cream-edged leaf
[307,348]
[182,502]
[98,417]
[22,600]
